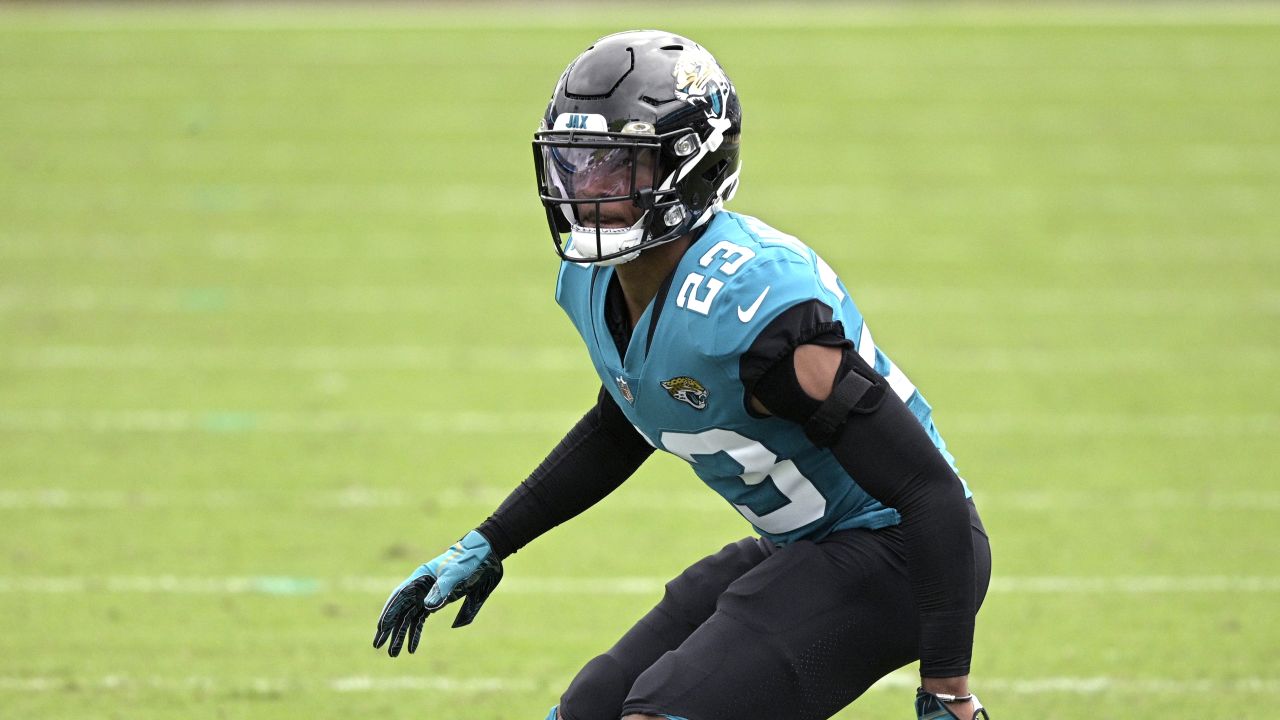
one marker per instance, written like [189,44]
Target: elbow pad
[857,389]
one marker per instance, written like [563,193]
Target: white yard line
[593,586]
[1135,585]
[903,680]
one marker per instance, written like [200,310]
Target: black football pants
[758,632]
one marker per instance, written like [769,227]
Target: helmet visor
[609,184]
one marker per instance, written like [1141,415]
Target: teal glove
[931,707]
[468,569]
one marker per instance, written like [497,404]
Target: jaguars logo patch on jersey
[687,390]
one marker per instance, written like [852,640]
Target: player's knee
[598,691]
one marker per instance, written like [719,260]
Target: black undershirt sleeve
[885,449]
[597,455]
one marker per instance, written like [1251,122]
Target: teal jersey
[679,385]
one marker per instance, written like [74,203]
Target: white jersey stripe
[867,347]
[899,382]
[903,387]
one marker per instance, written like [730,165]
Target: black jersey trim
[659,302]
[615,317]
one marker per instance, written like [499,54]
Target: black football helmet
[644,117]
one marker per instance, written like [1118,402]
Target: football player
[735,347]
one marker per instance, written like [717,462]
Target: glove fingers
[414,614]
[402,629]
[403,608]
[470,608]
[387,628]
[476,595]
[387,621]
[415,632]
[391,615]
[380,636]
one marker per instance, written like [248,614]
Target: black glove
[468,569]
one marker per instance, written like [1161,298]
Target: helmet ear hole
[712,174]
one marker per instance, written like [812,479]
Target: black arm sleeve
[884,448]
[600,452]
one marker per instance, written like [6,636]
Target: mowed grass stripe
[1140,247]
[568,358]
[484,17]
[265,686]
[1004,301]
[475,422]
[287,586]
[1046,89]
[436,683]
[943,194]
[368,499]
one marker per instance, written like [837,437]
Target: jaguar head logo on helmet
[638,146]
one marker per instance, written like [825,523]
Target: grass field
[276,324]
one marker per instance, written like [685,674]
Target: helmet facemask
[613,193]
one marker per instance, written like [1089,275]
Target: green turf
[275,301]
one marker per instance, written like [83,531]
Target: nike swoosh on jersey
[746,315]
